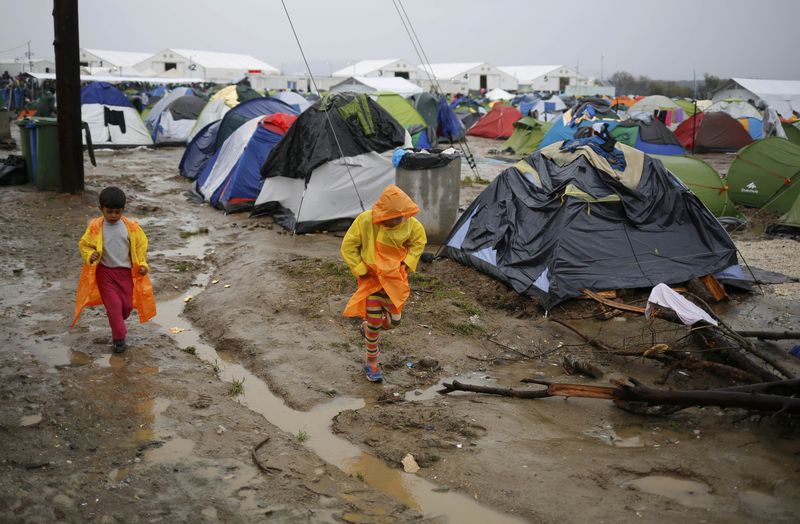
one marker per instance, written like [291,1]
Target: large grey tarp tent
[559,221]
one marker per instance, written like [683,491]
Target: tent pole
[694,123]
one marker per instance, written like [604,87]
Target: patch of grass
[302,436]
[215,367]
[182,266]
[198,231]
[237,387]
[190,350]
[466,329]
[466,307]
[468,181]
[360,476]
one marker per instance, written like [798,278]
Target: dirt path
[87,435]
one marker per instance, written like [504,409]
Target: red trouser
[116,290]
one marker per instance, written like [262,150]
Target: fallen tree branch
[591,341]
[573,364]
[505,392]
[770,335]
[262,467]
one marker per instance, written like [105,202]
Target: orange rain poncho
[376,253]
[88,293]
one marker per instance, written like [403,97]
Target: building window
[401,74]
[170,65]
[84,64]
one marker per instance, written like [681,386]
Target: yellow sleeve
[416,244]
[140,257]
[351,248]
[86,246]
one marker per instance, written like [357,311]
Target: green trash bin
[43,144]
[25,147]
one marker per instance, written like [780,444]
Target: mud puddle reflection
[414,491]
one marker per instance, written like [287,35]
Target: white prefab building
[466,77]
[392,67]
[122,63]
[298,82]
[17,65]
[206,65]
[543,78]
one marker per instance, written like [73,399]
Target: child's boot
[119,346]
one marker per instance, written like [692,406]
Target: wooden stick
[505,392]
[262,467]
[771,335]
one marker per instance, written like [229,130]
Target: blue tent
[158,91]
[243,185]
[103,93]
[208,141]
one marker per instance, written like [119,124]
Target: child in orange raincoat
[382,245]
[114,252]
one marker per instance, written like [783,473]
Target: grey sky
[659,38]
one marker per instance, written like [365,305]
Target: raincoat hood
[393,203]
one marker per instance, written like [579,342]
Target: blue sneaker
[373,374]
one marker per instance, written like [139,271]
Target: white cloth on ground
[689,314]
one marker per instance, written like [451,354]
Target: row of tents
[563,218]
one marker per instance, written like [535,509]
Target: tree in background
[627,84]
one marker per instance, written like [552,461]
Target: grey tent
[560,221]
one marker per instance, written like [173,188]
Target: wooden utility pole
[68,93]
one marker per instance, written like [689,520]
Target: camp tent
[588,111]
[528,133]
[499,94]
[788,224]
[408,117]
[766,174]
[177,120]
[234,180]
[704,182]
[647,134]
[667,110]
[547,110]
[112,119]
[439,116]
[712,132]
[686,105]
[220,103]
[309,185]
[369,85]
[209,140]
[293,99]
[161,106]
[792,132]
[559,222]
[498,123]
[747,115]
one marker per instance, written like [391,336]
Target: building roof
[529,73]
[364,67]
[782,95]
[450,70]
[214,60]
[119,58]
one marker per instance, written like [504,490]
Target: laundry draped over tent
[558,222]
[111,117]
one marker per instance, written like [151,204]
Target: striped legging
[381,315]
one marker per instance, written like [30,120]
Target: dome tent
[112,119]
[703,181]
[560,221]
[647,134]
[177,120]
[712,132]
[234,181]
[528,133]
[766,174]
[498,123]
[307,165]
[220,103]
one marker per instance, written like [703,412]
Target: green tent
[792,133]
[528,132]
[766,174]
[401,109]
[792,218]
[686,105]
[703,180]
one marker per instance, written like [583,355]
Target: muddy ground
[249,347]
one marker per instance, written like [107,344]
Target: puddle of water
[30,420]
[414,491]
[761,504]
[195,246]
[118,474]
[686,492]
[172,451]
[111,360]
[634,436]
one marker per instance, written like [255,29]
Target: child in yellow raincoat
[382,245]
[115,270]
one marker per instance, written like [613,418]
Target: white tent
[293,99]
[735,108]
[499,94]
[106,133]
[330,195]
[369,85]
[781,95]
